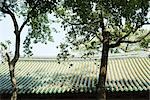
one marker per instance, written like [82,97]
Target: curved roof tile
[47,76]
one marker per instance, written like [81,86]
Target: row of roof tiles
[47,76]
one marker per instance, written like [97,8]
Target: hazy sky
[6,33]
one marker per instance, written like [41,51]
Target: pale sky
[40,50]
[6,33]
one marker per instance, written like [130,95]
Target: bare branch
[129,41]
[148,23]
[24,23]
[139,40]
[17,33]
[123,37]
[100,38]
[9,12]
[8,58]
[92,38]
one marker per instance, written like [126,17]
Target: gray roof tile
[47,76]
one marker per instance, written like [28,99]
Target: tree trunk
[13,81]
[12,64]
[101,91]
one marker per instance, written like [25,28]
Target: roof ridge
[79,58]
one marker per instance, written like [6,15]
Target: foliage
[39,24]
[87,21]
[5,48]
[35,15]
[102,24]
[145,42]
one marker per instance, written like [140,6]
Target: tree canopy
[87,20]
[91,24]
[35,17]
[96,24]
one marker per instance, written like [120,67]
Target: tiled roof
[46,76]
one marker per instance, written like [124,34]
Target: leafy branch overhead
[35,15]
[39,23]
[102,25]
[91,20]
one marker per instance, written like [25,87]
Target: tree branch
[100,38]
[22,26]
[9,12]
[17,33]
[81,23]
[102,24]
[8,58]
[17,50]
[28,17]
[139,40]
[92,38]
[17,45]
[148,23]
[123,37]
[129,41]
